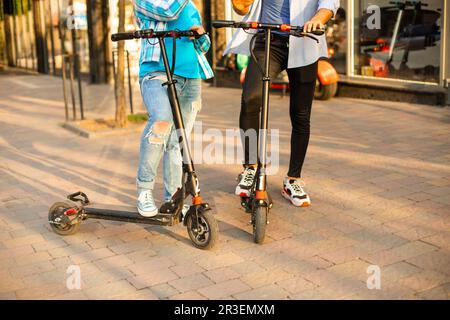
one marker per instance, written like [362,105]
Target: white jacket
[302,51]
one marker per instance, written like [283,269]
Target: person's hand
[312,25]
[200,30]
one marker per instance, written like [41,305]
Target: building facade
[379,44]
[373,44]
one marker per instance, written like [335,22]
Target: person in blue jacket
[159,139]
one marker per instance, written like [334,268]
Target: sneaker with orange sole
[293,191]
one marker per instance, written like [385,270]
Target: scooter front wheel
[55,213]
[259,223]
[202,229]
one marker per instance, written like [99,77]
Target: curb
[75,128]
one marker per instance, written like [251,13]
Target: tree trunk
[9,40]
[41,43]
[99,42]
[2,37]
[121,116]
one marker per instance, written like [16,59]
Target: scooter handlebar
[293,30]
[150,33]
[223,24]
[122,36]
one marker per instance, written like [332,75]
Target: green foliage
[139,117]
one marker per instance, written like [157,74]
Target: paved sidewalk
[378,174]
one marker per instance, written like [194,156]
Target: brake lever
[303,34]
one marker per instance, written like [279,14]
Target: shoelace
[249,176]
[297,187]
[148,199]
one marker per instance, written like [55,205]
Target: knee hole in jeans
[159,131]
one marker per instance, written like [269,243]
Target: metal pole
[114,74]
[52,38]
[262,141]
[66,104]
[130,92]
[72,90]
[80,89]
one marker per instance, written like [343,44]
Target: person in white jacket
[299,56]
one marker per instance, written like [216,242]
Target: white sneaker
[146,205]
[245,184]
[293,191]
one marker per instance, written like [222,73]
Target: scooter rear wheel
[259,224]
[205,232]
[56,210]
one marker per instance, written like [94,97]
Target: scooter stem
[262,141]
[188,165]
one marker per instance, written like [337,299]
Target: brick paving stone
[296,285]
[355,269]
[8,295]
[95,254]
[141,255]
[399,270]
[110,290]
[246,267]
[47,290]
[14,252]
[124,248]
[191,282]
[30,269]
[113,262]
[436,260]
[437,293]
[425,280]
[23,241]
[400,253]
[223,289]
[270,292]
[222,274]
[164,290]
[152,264]
[259,279]
[74,295]
[441,239]
[152,278]
[220,260]
[190,295]
[187,269]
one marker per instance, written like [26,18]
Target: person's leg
[154,138]
[251,101]
[251,104]
[189,96]
[302,82]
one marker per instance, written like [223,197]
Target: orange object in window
[327,73]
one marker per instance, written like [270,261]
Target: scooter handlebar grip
[318,32]
[222,23]
[122,36]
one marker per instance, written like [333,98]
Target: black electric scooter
[65,218]
[259,202]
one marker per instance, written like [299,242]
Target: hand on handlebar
[313,25]
[199,29]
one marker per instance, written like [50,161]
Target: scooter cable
[252,47]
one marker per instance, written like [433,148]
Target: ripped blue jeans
[159,139]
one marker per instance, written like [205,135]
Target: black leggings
[302,81]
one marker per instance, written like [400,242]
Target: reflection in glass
[407,46]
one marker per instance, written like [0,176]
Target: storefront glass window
[337,39]
[403,41]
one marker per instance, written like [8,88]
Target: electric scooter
[65,218]
[259,202]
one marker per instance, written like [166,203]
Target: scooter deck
[126,214]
